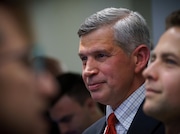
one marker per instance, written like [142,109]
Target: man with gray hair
[114,49]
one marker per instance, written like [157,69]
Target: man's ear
[141,55]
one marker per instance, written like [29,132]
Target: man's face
[23,94]
[71,117]
[107,70]
[162,78]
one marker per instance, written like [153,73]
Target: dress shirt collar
[127,110]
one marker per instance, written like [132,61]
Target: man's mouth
[95,86]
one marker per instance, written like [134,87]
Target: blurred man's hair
[173,19]
[72,85]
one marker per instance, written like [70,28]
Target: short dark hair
[72,84]
[173,19]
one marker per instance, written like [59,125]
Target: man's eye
[100,55]
[83,58]
[170,61]
[152,59]
[24,59]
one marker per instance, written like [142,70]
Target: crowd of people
[124,88]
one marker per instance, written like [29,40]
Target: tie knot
[112,120]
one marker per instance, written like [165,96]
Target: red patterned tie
[112,120]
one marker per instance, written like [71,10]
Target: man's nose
[151,72]
[91,68]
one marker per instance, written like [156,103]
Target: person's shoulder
[97,127]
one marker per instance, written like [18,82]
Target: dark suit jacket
[141,124]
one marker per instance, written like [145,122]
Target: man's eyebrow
[94,52]
[164,55]
[80,54]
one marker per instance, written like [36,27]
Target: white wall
[56,24]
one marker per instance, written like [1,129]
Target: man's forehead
[96,48]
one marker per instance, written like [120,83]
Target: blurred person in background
[25,89]
[163,75]
[73,109]
[51,64]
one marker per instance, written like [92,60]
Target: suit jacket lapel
[101,126]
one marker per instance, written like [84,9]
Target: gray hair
[130,28]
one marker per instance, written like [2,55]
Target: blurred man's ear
[141,56]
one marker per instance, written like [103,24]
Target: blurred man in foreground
[25,88]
